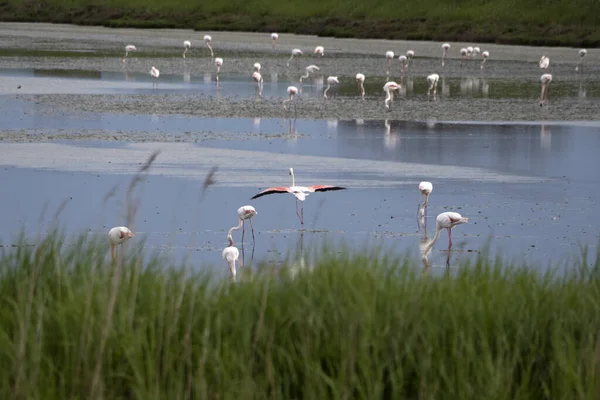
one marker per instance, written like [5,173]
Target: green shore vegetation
[526,22]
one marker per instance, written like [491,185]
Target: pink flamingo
[274,37]
[445,48]
[118,236]
[545,79]
[446,220]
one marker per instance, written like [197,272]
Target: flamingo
[218,63]
[447,220]
[118,235]
[246,213]
[433,81]
[463,55]
[295,53]
[445,48]
[476,51]
[319,51]
[404,61]
[259,82]
[257,67]
[485,56]
[292,91]
[299,192]
[579,65]
[425,188]
[155,73]
[274,37]
[390,56]
[207,40]
[186,45]
[331,81]
[308,70]
[230,253]
[389,87]
[544,62]
[360,79]
[545,79]
[410,54]
[128,48]
[470,52]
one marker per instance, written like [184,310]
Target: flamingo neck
[229,237]
[430,244]
[293,180]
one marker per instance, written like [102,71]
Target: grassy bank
[74,326]
[554,23]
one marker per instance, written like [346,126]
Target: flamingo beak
[130,234]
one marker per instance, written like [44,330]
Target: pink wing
[324,188]
[272,190]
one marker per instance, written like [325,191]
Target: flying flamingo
[118,235]
[231,253]
[299,192]
[155,73]
[545,79]
[463,55]
[425,188]
[331,81]
[308,70]
[389,55]
[433,81]
[409,54]
[128,48]
[447,220]
[207,40]
[274,37]
[319,51]
[186,45]
[257,67]
[485,56]
[544,62]
[259,83]
[388,88]
[360,79]
[295,53]
[579,65]
[292,91]
[218,63]
[445,48]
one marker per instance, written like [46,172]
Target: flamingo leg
[302,219]
[449,238]
[297,213]
[243,231]
[113,252]
[251,227]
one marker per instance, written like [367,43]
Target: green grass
[75,326]
[551,22]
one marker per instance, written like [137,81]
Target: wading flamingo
[485,56]
[259,83]
[128,49]
[388,88]
[207,40]
[274,37]
[299,192]
[246,213]
[117,236]
[360,79]
[319,51]
[463,55]
[433,81]
[307,71]
[409,55]
[579,65]
[186,46]
[445,48]
[292,91]
[218,63]
[295,53]
[544,62]
[469,52]
[446,220]
[404,62]
[154,73]
[545,79]
[331,81]
[231,253]
[389,55]
[257,67]
[476,51]
[425,188]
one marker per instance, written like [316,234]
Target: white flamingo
[207,41]
[485,56]
[476,51]
[433,81]
[360,79]
[307,71]
[319,51]
[469,52]
[463,55]
[154,73]
[186,46]
[218,63]
[231,254]
[118,236]
[404,62]
[409,55]
[257,67]
[544,62]
[295,53]
[389,55]
[274,37]
[292,91]
[445,48]
[579,65]
[425,188]
[446,220]
[388,88]
[331,81]
[257,77]
[299,192]
[129,48]
[245,213]
[545,79]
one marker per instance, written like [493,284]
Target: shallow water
[76,126]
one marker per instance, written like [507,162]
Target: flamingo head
[291,171]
